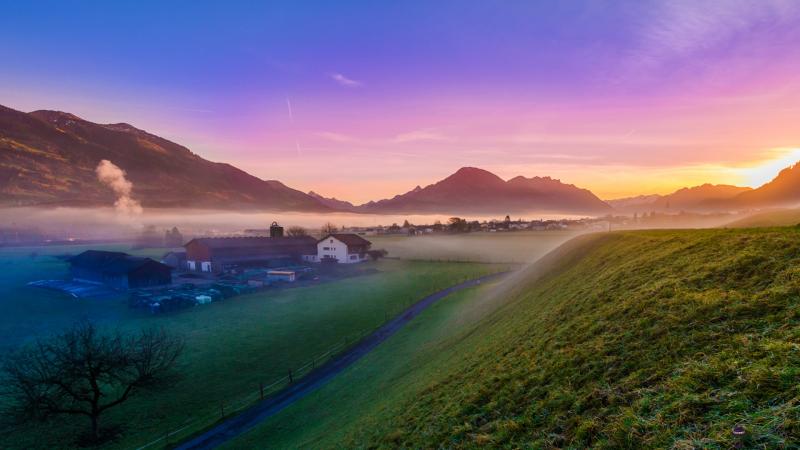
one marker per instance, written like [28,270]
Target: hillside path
[250,418]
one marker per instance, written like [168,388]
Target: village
[213,268]
[210,267]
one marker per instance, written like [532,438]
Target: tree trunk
[95,427]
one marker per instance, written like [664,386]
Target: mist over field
[109,223]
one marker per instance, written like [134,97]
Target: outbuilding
[119,270]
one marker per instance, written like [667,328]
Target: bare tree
[328,228]
[85,372]
[297,231]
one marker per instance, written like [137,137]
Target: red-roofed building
[219,254]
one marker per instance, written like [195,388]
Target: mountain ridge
[471,190]
[49,158]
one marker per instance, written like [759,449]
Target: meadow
[640,339]
[501,247]
[231,346]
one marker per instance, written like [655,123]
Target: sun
[769,169]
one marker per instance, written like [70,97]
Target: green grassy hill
[650,339]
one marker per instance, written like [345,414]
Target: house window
[353,257]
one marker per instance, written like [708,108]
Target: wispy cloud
[684,28]
[345,81]
[421,135]
[336,137]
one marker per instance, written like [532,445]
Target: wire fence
[196,424]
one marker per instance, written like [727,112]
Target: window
[353,257]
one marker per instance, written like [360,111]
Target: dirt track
[251,417]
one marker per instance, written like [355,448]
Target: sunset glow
[623,98]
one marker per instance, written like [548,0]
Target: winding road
[253,416]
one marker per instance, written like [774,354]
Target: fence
[193,425]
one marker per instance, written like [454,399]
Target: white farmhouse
[344,248]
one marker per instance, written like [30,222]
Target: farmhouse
[344,248]
[119,270]
[219,254]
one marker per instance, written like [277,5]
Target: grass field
[233,345]
[643,339]
[374,389]
[503,247]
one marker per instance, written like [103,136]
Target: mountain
[476,191]
[50,157]
[333,203]
[782,191]
[706,197]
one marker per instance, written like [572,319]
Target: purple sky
[364,100]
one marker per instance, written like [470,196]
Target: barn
[344,248]
[119,270]
[223,253]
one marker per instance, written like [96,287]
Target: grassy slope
[625,340]
[235,344]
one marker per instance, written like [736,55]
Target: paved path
[251,417]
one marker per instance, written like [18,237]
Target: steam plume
[112,176]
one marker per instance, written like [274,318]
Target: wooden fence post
[222,409]
[291,380]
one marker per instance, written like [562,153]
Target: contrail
[289,104]
[291,118]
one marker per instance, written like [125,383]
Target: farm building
[344,248]
[119,270]
[218,254]
[289,276]
[176,260]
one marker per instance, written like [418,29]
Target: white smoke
[112,176]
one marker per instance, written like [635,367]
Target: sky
[365,100]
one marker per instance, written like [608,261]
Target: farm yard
[232,346]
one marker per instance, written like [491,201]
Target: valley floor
[648,339]
[232,346]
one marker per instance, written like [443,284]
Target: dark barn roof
[112,263]
[244,249]
[350,239]
[254,241]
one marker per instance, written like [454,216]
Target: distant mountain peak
[471,190]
